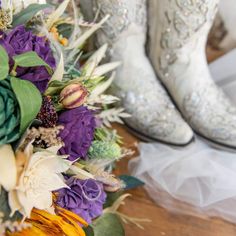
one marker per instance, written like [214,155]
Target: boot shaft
[127,18]
[177,28]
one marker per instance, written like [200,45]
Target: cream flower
[38,175]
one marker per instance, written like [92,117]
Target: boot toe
[171,132]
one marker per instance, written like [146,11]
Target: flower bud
[73,95]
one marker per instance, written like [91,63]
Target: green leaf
[72,71]
[107,225]
[4,63]
[31,59]
[65,30]
[88,231]
[5,209]
[111,198]
[29,99]
[131,182]
[55,87]
[28,13]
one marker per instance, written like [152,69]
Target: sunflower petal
[65,223]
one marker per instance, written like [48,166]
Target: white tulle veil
[199,179]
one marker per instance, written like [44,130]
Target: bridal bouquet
[57,147]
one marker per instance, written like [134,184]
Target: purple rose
[85,198]
[19,41]
[78,133]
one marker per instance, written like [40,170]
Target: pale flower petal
[59,72]
[58,165]
[7,167]
[55,183]
[54,149]
[27,204]
[43,201]
[13,202]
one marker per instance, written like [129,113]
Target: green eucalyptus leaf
[108,225]
[28,13]
[31,59]
[29,99]
[4,63]
[131,182]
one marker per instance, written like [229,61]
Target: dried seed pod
[73,95]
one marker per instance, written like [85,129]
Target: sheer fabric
[199,179]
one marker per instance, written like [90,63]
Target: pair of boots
[193,101]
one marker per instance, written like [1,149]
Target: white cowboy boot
[183,26]
[153,114]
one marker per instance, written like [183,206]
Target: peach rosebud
[73,95]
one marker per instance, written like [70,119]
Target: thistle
[104,150]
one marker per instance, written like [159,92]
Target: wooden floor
[163,222]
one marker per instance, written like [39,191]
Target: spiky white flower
[113,115]
[102,99]
[39,176]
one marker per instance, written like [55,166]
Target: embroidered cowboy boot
[180,59]
[153,114]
